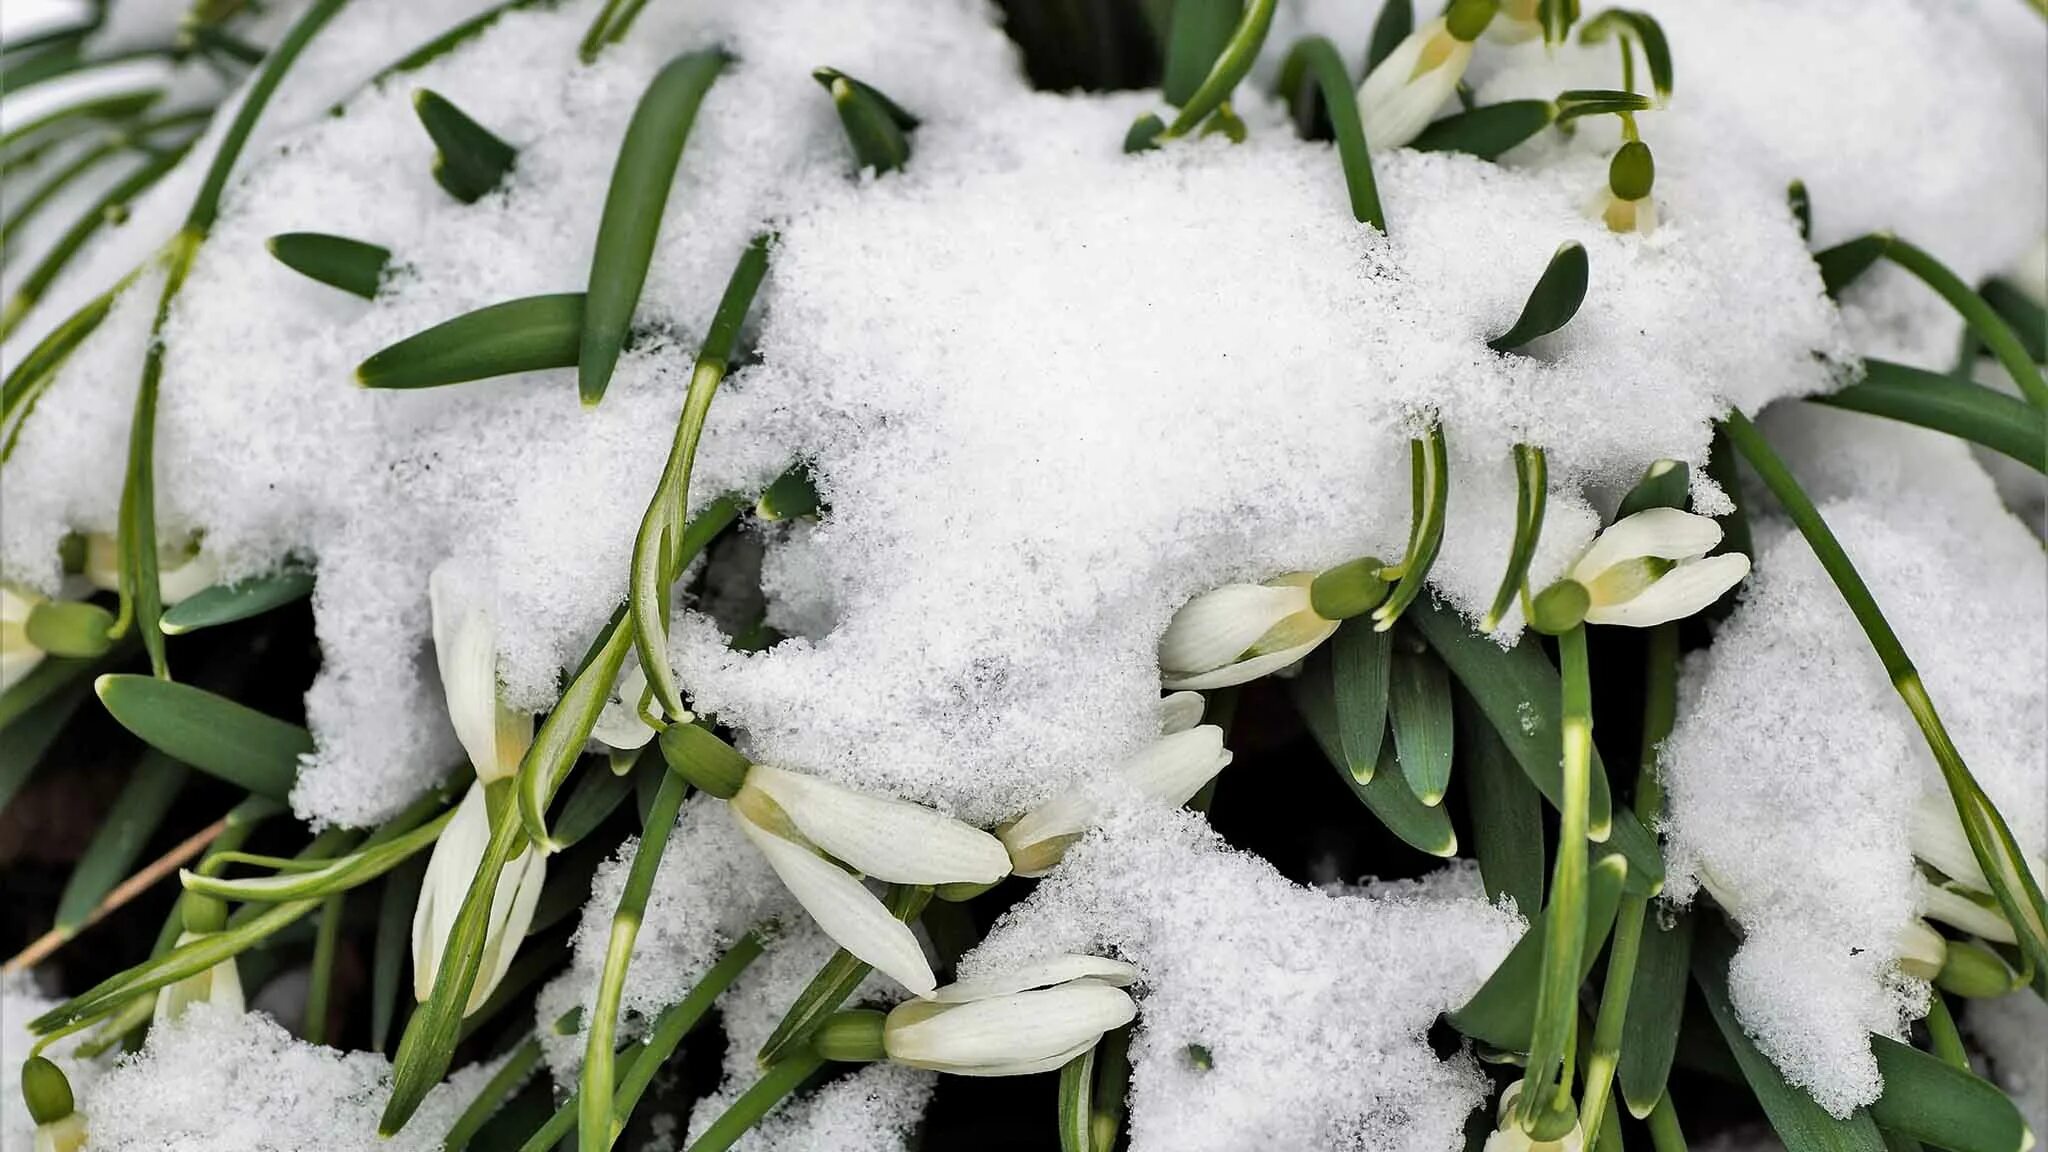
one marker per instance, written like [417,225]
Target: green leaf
[1077,1101]
[1506,810]
[227,603]
[1386,794]
[1429,497]
[211,733]
[1532,496]
[74,628]
[454,37]
[119,840]
[1419,705]
[1665,484]
[793,494]
[332,876]
[1656,1011]
[836,980]
[23,144]
[512,1073]
[1928,1099]
[1801,1124]
[524,335]
[1144,134]
[392,945]
[1554,300]
[1232,65]
[1315,56]
[1393,25]
[31,732]
[1843,264]
[336,261]
[1196,36]
[1647,32]
[1503,1012]
[2026,316]
[633,207]
[469,160]
[875,125]
[1960,408]
[1518,691]
[1488,130]
[1361,659]
[597,795]
[1597,101]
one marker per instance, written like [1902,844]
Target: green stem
[756,1102]
[1565,929]
[1317,55]
[509,1076]
[594,1127]
[1231,66]
[1981,317]
[1991,841]
[1665,1134]
[1427,533]
[1942,1035]
[1532,490]
[324,944]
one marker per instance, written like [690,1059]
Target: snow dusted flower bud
[1240,632]
[219,985]
[1030,1020]
[813,833]
[1625,204]
[60,1127]
[1937,838]
[181,572]
[466,650]
[1399,98]
[1650,568]
[1168,771]
[1921,950]
[458,853]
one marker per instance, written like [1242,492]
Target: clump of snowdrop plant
[847,411]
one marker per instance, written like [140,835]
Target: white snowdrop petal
[1217,626]
[1937,837]
[1665,533]
[845,909]
[457,853]
[466,652]
[1020,1026]
[1246,671]
[889,839]
[1175,767]
[1053,970]
[1679,593]
[1025,1067]
[1180,711]
[1067,814]
[512,907]
[200,572]
[1959,911]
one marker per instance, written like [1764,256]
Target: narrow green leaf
[1800,1123]
[1597,101]
[762,1097]
[1361,659]
[1665,484]
[211,733]
[469,160]
[389,971]
[337,261]
[1518,691]
[1554,300]
[227,603]
[1656,1011]
[597,795]
[2027,317]
[1503,1012]
[633,207]
[1532,496]
[1487,131]
[1928,1099]
[1232,65]
[1843,264]
[874,124]
[793,494]
[335,875]
[74,628]
[525,335]
[1144,134]
[1315,57]
[561,737]
[454,37]
[1506,810]
[1077,1104]
[1386,794]
[1797,199]
[1393,25]
[31,733]
[1960,408]
[1196,36]
[835,981]
[1625,23]
[24,143]
[1430,494]
[1419,706]
[120,838]
[509,1076]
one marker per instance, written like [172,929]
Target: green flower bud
[1974,971]
[703,759]
[46,1090]
[69,628]
[854,1036]
[1633,171]
[1467,19]
[1560,608]
[1352,588]
[203,913]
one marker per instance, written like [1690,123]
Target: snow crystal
[2009,1030]
[1260,972]
[218,1081]
[1794,767]
[20,1002]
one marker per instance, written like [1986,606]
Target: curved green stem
[1431,456]
[756,1102]
[321,985]
[1317,55]
[1532,490]
[1981,317]
[1565,928]
[1230,67]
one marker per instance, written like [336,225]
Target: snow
[1314,1007]
[2009,1031]
[1794,767]
[21,1001]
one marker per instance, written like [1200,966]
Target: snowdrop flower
[1400,97]
[1937,838]
[1168,771]
[821,838]
[219,985]
[1918,948]
[18,654]
[1510,1136]
[495,738]
[619,724]
[181,573]
[1645,569]
[1240,632]
[1033,1019]
[458,853]
[1625,204]
[60,1127]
